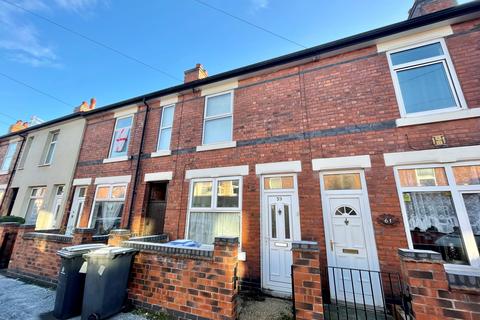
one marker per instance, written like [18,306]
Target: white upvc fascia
[215,146]
[415,38]
[3,186]
[168,100]
[219,87]
[113,180]
[439,117]
[159,176]
[3,172]
[278,167]
[82,182]
[116,159]
[432,156]
[160,153]
[125,111]
[352,162]
[217,172]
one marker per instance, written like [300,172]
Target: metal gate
[6,248]
[364,294]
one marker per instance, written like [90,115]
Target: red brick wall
[432,296]
[186,284]
[334,97]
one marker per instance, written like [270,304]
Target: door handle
[331,244]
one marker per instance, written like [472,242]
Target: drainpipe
[14,168]
[137,167]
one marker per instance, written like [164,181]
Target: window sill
[160,153]
[439,117]
[44,165]
[3,172]
[462,270]
[117,159]
[222,145]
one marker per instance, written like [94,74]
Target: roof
[469,10]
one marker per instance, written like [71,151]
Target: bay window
[425,80]
[121,137]
[218,118]
[214,209]
[441,205]
[108,207]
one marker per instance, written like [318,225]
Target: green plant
[152,315]
[12,219]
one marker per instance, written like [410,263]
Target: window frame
[213,206]
[449,68]
[216,117]
[162,127]
[9,157]
[24,154]
[113,136]
[32,197]
[51,144]
[456,192]
[111,186]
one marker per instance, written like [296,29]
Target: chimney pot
[423,7]
[196,73]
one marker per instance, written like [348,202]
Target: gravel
[257,307]
[19,300]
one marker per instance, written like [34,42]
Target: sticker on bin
[101,270]
[83,269]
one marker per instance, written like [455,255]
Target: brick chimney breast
[196,73]
[423,7]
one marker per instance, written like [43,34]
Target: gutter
[471,10]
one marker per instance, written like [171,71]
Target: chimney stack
[84,107]
[423,7]
[196,73]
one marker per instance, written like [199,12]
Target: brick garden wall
[337,106]
[186,283]
[436,294]
[35,256]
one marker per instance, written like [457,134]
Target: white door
[280,227]
[351,253]
[57,205]
[77,209]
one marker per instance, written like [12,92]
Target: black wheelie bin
[68,301]
[106,282]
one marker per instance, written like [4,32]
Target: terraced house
[365,145]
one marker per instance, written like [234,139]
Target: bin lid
[75,251]
[109,252]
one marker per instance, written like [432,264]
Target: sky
[54,54]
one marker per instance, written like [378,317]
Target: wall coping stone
[9,224]
[420,255]
[305,245]
[84,230]
[155,238]
[120,231]
[226,240]
[48,236]
[27,226]
[100,237]
[166,249]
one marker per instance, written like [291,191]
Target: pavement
[20,300]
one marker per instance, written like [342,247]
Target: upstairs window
[425,80]
[166,124]
[218,119]
[25,151]
[51,148]
[7,160]
[121,137]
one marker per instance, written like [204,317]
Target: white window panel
[51,148]
[121,137]
[7,160]
[108,207]
[165,133]
[218,118]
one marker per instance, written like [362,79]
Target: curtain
[205,226]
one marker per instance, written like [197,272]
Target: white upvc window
[52,145]
[424,79]
[57,204]
[25,151]
[218,118]
[165,131]
[121,137]
[108,207]
[441,209]
[35,203]
[7,160]
[215,206]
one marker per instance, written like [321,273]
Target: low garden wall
[8,235]
[187,283]
[34,255]
[435,293]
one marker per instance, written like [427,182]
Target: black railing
[363,294]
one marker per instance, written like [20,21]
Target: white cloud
[259,4]
[21,41]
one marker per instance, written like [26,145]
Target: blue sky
[170,35]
